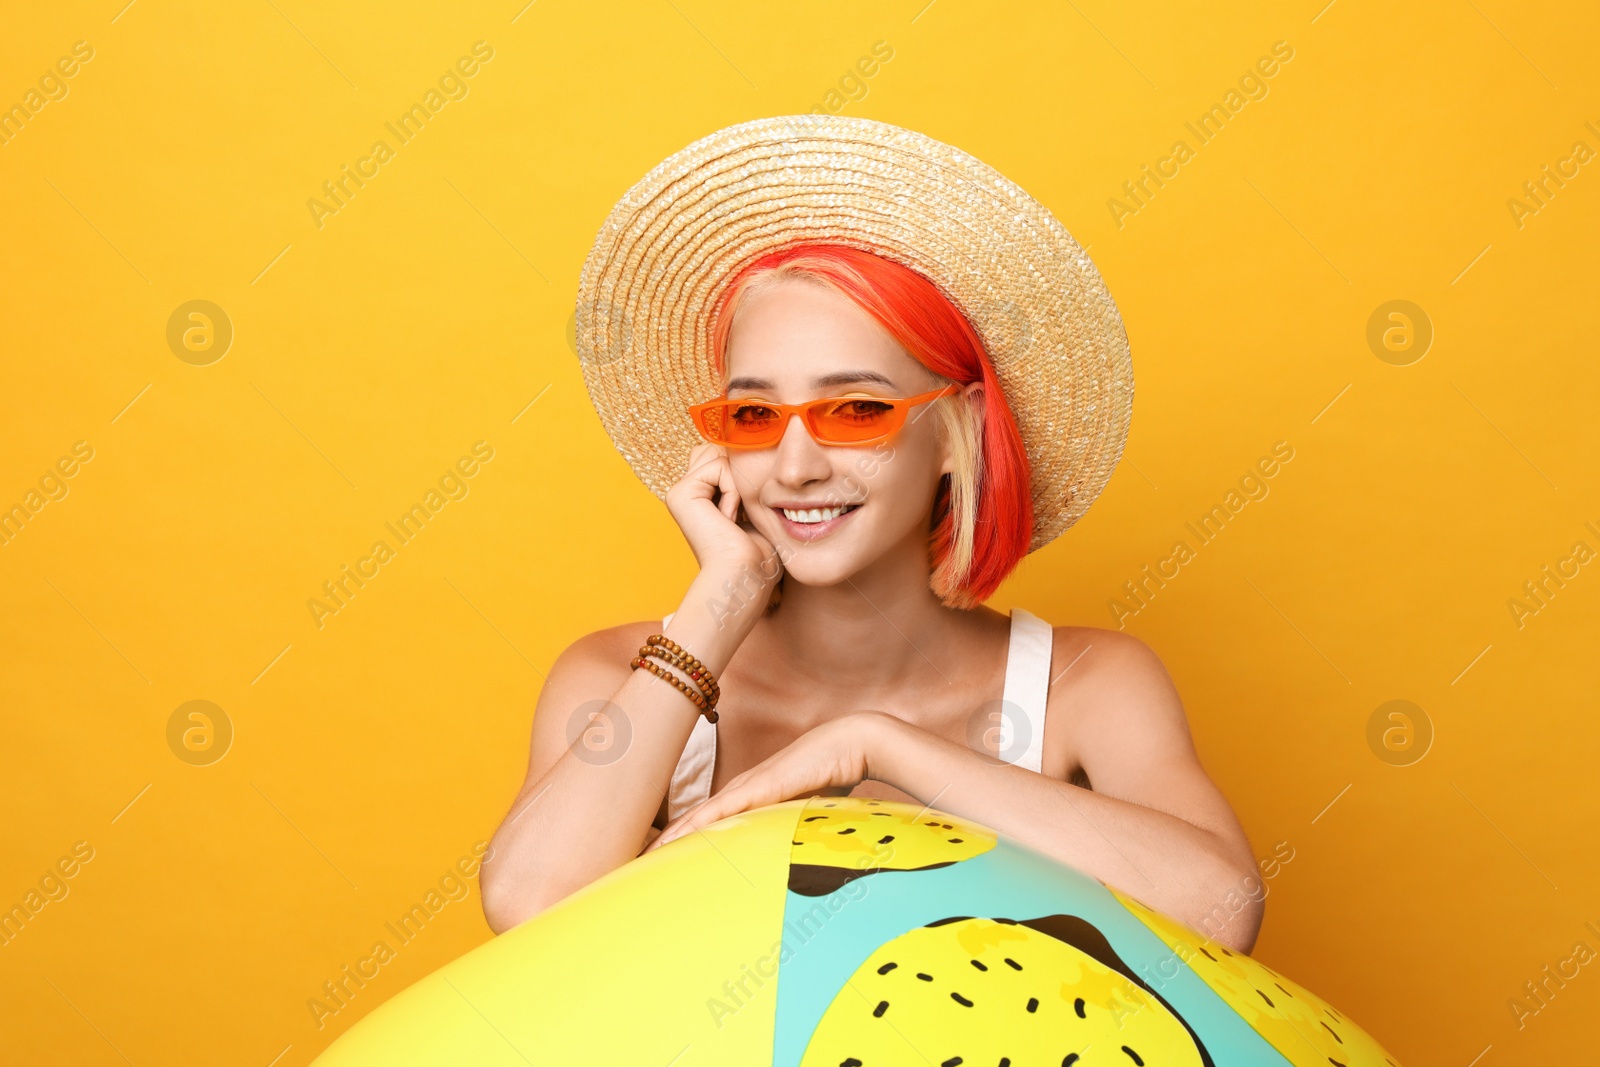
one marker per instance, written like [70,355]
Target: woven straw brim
[671,244]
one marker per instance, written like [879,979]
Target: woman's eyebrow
[853,377]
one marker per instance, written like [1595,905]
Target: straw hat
[674,240]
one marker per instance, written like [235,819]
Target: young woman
[861,487]
[865,680]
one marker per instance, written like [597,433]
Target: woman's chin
[821,573]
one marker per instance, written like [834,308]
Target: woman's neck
[875,633]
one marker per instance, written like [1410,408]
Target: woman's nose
[801,458]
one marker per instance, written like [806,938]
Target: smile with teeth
[817,514]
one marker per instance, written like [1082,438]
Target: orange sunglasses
[837,420]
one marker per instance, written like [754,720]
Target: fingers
[730,492]
[703,814]
[731,802]
[672,831]
[726,803]
[738,795]
[703,457]
[708,463]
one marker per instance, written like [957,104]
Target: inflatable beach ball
[850,932]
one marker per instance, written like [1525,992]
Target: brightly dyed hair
[982,518]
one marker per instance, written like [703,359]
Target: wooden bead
[677,683]
[669,651]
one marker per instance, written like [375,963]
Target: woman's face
[796,340]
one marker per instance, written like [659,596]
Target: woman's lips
[812,531]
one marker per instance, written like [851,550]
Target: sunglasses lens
[854,419]
[746,423]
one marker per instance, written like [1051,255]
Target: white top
[1021,716]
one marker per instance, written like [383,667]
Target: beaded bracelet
[646,655]
[669,651]
[690,666]
[678,683]
[697,670]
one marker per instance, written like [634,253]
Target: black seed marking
[1071,1058]
[947,826]
[830,805]
[880,815]
[1266,998]
[1134,1055]
[953,1061]
[885,839]
[820,879]
[883,1006]
[925,977]
[1005,1061]
[848,830]
[1033,1004]
[955,840]
[887,967]
[796,842]
[1208,955]
[961,1000]
[978,964]
[1086,938]
[1335,1062]
[1077,1006]
[1284,991]
[813,818]
[1014,964]
[930,823]
[851,1062]
[1225,952]
[1332,1031]
[1336,1016]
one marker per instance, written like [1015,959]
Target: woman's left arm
[1154,825]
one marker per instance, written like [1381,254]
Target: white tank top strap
[1027,690]
[691,778]
[1026,696]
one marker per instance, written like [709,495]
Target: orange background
[432,311]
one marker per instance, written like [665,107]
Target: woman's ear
[971,394]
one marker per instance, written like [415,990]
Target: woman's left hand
[831,759]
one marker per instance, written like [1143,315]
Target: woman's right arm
[587,806]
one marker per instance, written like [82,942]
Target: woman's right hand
[721,544]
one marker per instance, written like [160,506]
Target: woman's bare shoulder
[606,651]
[1107,688]
[1084,651]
